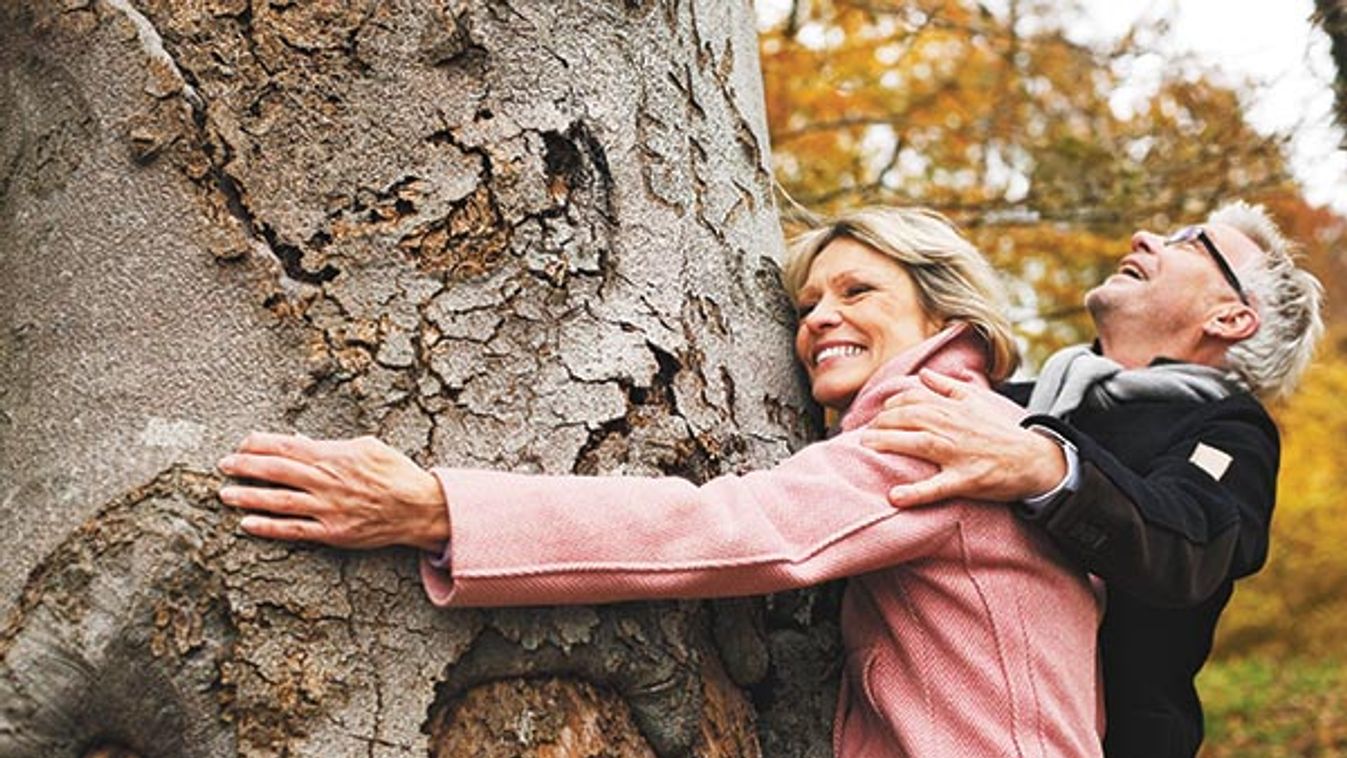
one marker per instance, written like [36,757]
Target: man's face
[1163,293]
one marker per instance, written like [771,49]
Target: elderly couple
[980,528]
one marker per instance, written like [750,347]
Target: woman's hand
[359,494]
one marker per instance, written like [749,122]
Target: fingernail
[226,463]
[228,494]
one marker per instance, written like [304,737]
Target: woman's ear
[1232,322]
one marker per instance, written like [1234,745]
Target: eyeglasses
[1196,234]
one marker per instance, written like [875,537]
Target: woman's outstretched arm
[819,515]
[524,539]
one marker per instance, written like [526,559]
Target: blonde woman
[966,635]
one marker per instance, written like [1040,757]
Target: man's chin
[1101,300]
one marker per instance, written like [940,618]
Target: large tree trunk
[525,235]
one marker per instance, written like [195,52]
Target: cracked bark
[526,235]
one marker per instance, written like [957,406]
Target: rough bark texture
[528,235]
[1332,15]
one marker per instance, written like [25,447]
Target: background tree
[1332,14]
[532,235]
[1000,120]
[1003,121]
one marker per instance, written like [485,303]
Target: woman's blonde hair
[953,280]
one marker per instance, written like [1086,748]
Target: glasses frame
[1190,234]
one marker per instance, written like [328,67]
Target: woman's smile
[836,351]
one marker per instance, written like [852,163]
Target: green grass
[1265,708]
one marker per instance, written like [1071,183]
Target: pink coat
[966,633]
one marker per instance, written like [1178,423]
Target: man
[1148,457]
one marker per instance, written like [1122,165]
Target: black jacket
[1169,540]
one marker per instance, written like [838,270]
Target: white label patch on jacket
[1209,459]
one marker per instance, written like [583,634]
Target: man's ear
[1232,322]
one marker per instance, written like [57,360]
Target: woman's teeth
[835,351]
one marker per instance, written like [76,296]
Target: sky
[1271,45]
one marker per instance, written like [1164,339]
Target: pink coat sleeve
[540,540]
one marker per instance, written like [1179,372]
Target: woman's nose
[822,316]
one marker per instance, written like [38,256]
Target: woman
[965,636]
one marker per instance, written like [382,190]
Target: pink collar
[954,349]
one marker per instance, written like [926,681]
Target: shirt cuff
[441,560]
[1035,505]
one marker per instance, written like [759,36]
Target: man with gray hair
[1147,457]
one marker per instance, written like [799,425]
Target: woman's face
[858,308]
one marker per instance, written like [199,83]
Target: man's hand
[359,494]
[973,435]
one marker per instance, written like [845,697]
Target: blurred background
[1051,130]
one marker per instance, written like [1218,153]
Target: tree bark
[522,235]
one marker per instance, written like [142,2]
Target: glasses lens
[1183,236]
[1195,234]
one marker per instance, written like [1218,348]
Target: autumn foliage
[1002,121]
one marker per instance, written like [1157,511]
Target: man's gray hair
[1288,299]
